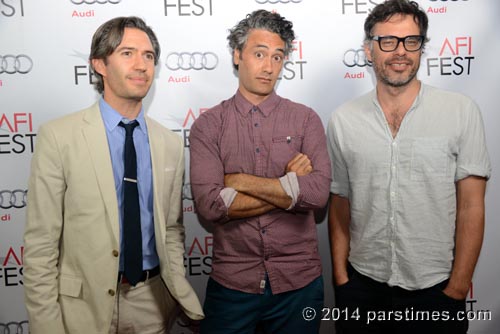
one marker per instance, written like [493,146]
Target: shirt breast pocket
[429,159]
[283,149]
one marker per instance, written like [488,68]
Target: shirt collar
[266,107]
[112,118]
[415,104]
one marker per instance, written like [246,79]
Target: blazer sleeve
[44,224]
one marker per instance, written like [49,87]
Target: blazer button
[111,292]
[115,253]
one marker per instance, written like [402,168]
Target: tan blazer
[72,232]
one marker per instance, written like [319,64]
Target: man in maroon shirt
[259,167]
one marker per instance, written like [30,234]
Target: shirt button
[266,258]
[115,253]
[263,231]
[254,109]
[394,144]
[257,150]
[256,125]
[111,292]
[393,194]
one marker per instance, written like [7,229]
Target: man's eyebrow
[266,47]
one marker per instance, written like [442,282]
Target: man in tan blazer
[73,261]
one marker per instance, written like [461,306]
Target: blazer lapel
[97,142]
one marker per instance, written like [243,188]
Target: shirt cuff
[290,184]
[228,195]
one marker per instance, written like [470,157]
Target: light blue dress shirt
[116,140]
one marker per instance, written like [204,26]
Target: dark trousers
[367,306]
[229,311]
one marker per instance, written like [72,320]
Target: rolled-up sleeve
[473,158]
[206,169]
[314,187]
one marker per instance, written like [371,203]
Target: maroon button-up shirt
[237,137]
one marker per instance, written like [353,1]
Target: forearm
[245,206]
[468,235]
[469,239]
[338,223]
[264,189]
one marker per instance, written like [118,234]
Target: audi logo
[91,2]
[277,1]
[13,199]
[11,64]
[14,327]
[192,61]
[356,58]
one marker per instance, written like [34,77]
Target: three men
[409,168]
[259,167]
[94,180]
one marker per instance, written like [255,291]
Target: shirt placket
[393,200]
[257,141]
[260,151]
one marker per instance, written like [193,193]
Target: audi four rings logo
[277,1]
[192,61]
[14,327]
[11,64]
[356,58]
[13,199]
[91,2]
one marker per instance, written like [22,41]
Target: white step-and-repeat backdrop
[44,74]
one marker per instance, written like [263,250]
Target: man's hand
[300,164]
[456,293]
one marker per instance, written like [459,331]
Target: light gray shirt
[402,190]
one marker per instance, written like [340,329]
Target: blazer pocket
[70,286]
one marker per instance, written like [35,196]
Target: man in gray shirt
[409,175]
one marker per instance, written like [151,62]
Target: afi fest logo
[358,6]
[455,57]
[11,8]
[11,270]
[198,258]
[188,7]
[16,133]
[83,73]
[191,115]
[294,67]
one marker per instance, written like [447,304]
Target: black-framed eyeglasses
[389,43]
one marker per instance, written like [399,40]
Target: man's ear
[368,51]
[99,66]
[236,57]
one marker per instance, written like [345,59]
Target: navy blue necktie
[131,212]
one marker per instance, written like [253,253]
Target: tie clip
[129,180]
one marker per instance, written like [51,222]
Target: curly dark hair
[261,19]
[385,10]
